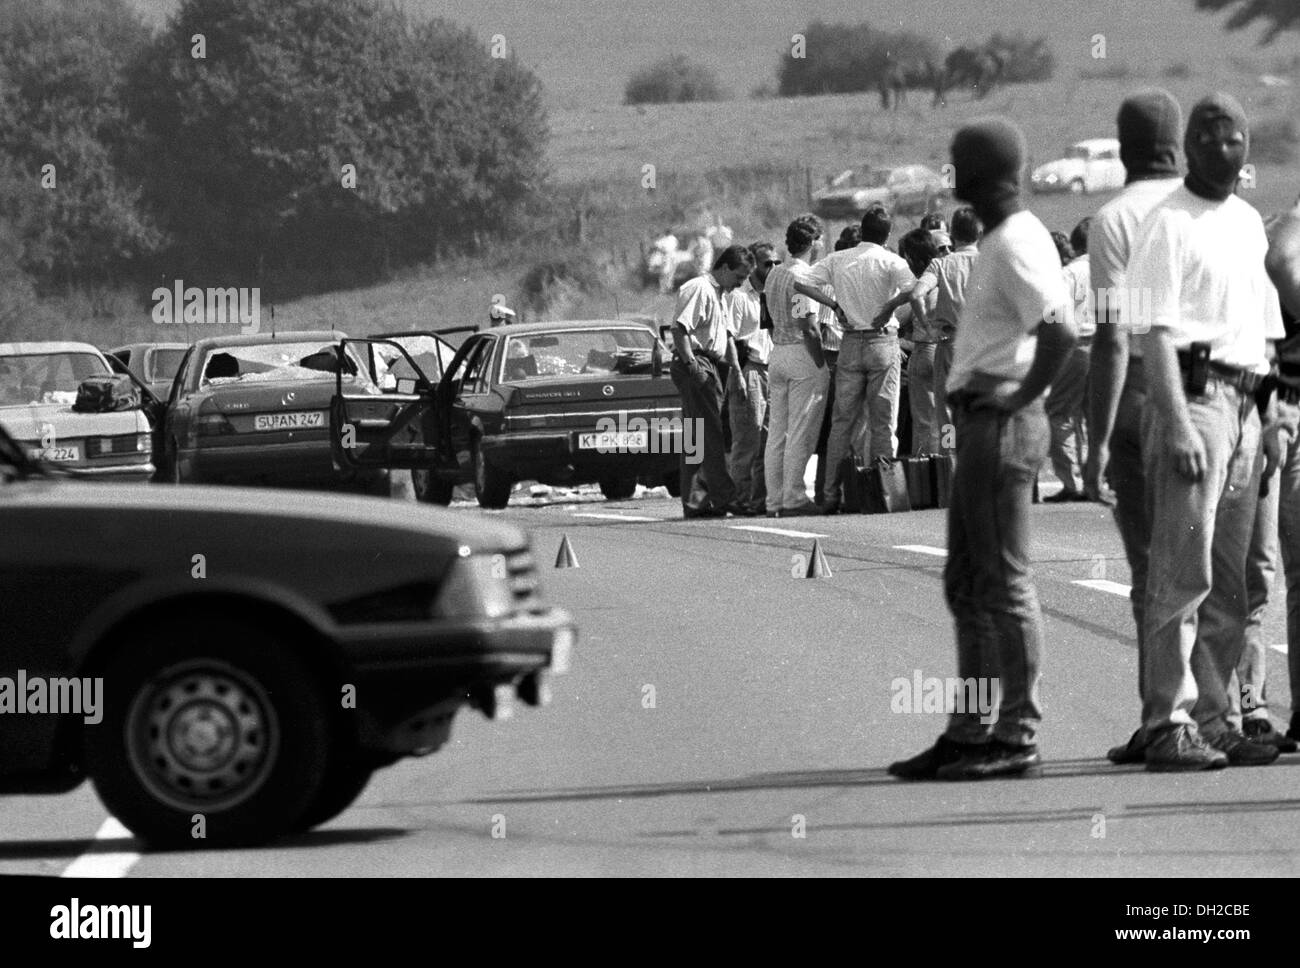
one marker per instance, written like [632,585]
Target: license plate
[613,441]
[57,453]
[289,421]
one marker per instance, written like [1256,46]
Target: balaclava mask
[1212,169]
[988,156]
[1150,122]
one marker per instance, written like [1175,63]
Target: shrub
[673,80]
[1024,59]
[845,58]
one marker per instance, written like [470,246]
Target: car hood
[27,422]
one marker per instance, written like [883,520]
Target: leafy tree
[1277,15]
[843,58]
[1023,58]
[672,80]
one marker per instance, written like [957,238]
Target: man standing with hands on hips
[1017,329]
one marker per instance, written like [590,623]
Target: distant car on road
[263,696]
[1092,165]
[254,410]
[561,403]
[903,189]
[153,364]
[39,385]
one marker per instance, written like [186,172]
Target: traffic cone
[817,564]
[566,558]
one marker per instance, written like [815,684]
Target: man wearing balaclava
[1017,328]
[1199,258]
[1150,126]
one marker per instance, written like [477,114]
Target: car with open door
[563,403]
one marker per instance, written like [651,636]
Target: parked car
[265,695]
[39,384]
[153,364]
[1088,166]
[903,189]
[561,403]
[252,410]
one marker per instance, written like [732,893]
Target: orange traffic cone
[817,564]
[566,558]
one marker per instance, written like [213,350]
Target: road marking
[616,517]
[105,864]
[781,531]
[1102,585]
[1280,647]
[924,550]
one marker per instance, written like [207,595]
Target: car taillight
[123,444]
[212,425]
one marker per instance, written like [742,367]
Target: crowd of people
[1150,354]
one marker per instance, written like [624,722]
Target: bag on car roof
[104,394]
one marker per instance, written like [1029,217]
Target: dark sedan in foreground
[197,654]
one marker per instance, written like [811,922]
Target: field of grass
[747,161]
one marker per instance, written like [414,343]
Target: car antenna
[616,312]
[272,319]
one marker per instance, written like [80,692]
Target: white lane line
[1102,585]
[924,550]
[616,517]
[106,864]
[1280,647]
[781,531]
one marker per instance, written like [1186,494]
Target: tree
[1278,15]
[672,80]
[845,58]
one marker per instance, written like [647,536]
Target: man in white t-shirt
[1017,328]
[1066,398]
[1199,256]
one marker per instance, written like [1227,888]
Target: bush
[549,287]
[844,58]
[673,80]
[1023,59]
[1274,141]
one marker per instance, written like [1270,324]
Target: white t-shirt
[1200,263]
[746,316]
[864,278]
[1015,284]
[1110,242]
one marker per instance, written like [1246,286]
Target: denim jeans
[867,377]
[943,417]
[707,484]
[1250,699]
[1196,581]
[748,437]
[798,397]
[920,398]
[1065,413]
[1289,539]
[987,580]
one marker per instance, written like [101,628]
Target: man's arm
[1164,382]
[1283,260]
[1110,352]
[682,342]
[1056,338]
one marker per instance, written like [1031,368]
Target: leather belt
[1235,377]
[869,333]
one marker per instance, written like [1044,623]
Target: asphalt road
[719,708]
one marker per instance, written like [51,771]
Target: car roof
[53,346]
[150,346]
[523,329]
[284,336]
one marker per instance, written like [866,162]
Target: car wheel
[1076,186]
[617,488]
[491,485]
[430,488]
[345,780]
[673,481]
[213,735]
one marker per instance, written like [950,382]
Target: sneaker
[1262,731]
[1181,748]
[1244,752]
[997,758]
[1134,751]
[924,766]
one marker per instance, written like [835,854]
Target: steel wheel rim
[202,735]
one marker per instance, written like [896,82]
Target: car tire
[227,686]
[673,482]
[430,488]
[617,488]
[1076,186]
[345,780]
[491,485]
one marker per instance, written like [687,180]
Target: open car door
[384,424]
[429,350]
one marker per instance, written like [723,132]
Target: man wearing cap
[1150,124]
[702,351]
[1017,329]
[1200,257]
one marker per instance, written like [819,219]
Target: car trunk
[580,403]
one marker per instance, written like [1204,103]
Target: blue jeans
[1196,598]
[749,437]
[987,580]
[868,376]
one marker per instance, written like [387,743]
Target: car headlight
[475,587]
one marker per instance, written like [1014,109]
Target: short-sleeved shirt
[1200,263]
[947,276]
[1015,284]
[788,308]
[746,315]
[1110,243]
[864,277]
[703,313]
[1077,279]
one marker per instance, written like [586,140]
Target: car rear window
[271,362]
[46,377]
[163,364]
[538,357]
